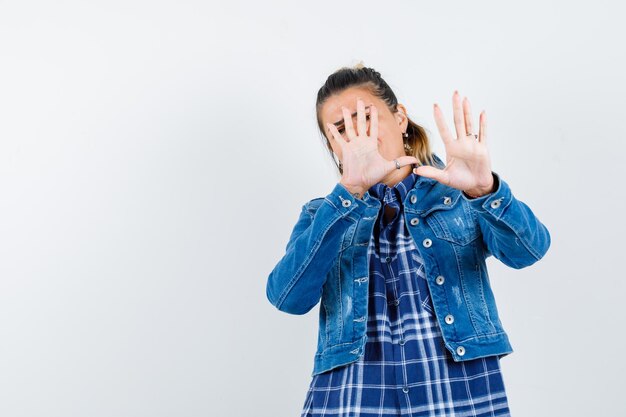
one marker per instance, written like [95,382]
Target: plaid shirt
[406,369]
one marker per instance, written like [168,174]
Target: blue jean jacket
[326,259]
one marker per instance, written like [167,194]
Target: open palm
[468,165]
[363,165]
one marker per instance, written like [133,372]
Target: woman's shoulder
[437,161]
[315,201]
[313,204]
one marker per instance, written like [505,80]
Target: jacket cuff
[494,202]
[344,201]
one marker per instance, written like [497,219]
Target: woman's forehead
[331,110]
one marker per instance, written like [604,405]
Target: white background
[154,156]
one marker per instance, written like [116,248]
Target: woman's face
[391,126]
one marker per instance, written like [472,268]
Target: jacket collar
[429,193]
[398,192]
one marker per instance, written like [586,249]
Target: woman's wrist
[355,190]
[477,193]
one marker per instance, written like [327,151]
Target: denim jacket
[326,259]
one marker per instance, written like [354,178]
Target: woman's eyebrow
[339,123]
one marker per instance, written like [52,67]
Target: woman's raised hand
[468,165]
[363,165]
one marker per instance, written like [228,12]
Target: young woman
[408,323]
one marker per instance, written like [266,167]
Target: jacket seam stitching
[527,246]
[306,262]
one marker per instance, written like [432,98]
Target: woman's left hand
[468,166]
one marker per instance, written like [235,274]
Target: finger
[403,161]
[482,133]
[457,109]
[468,117]
[360,118]
[407,160]
[432,172]
[336,136]
[445,134]
[347,121]
[373,122]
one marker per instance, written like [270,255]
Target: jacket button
[346,203]
[440,280]
[449,319]
[427,242]
[414,221]
[405,389]
[460,350]
[495,204]
[413,199]
[447,200]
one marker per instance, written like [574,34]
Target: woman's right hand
[363,165]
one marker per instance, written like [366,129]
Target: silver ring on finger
[397,163]
[474,134]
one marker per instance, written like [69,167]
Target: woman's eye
[341,129]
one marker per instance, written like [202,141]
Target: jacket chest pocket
[456,224]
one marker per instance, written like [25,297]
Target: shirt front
[405,369]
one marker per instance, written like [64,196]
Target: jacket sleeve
[511,232]
[295,284]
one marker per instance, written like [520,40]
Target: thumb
[402,161]
[406,160]
[430,172]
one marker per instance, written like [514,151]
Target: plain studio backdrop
[154,157]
